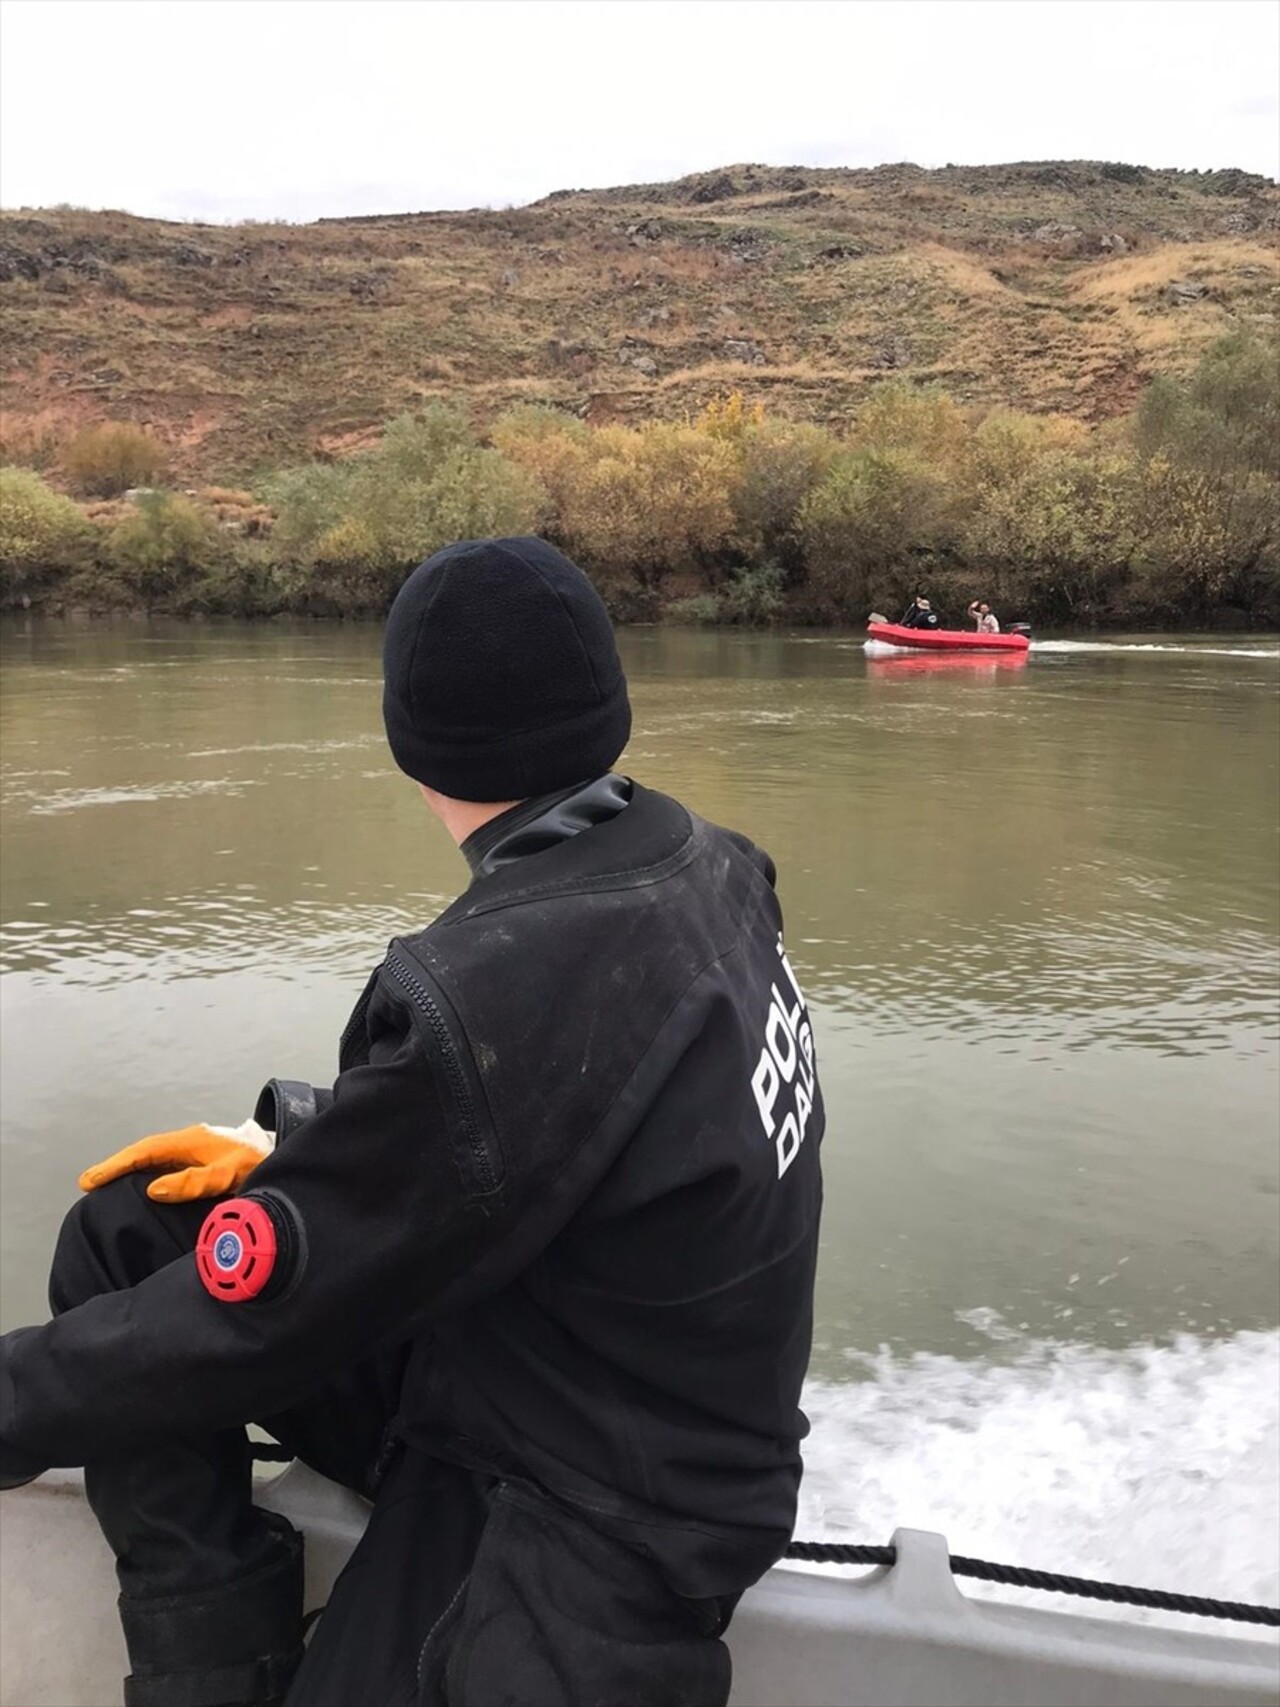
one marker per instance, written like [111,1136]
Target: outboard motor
[1018,628]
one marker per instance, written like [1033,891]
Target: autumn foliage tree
[652,500]
[636,504]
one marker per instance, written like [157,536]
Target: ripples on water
[200,936]
[1130,983]
[1127,982]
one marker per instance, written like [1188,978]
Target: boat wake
[1155,646]
[1157,1465]
[884,649]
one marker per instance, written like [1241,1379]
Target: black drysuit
[557,1228]
[917,618]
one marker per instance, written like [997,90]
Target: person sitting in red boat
[920,614]
[984,617]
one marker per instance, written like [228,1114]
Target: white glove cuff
[250,1133]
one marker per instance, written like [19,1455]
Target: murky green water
[1035,909]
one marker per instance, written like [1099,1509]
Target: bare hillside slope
[1057,286]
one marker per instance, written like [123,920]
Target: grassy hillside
[1056,287]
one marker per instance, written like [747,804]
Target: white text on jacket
[784,1077]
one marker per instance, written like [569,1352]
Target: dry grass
[1222,265]
[247,347]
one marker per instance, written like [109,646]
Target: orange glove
[210,1161]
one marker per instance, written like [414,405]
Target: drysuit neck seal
[535,825]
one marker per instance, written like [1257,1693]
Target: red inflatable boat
[945,639]
[895,665]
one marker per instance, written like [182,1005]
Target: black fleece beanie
[501,675]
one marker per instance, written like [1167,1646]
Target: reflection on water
[1035,910]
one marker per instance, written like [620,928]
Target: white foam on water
[1157,1466]
[1155,646]
[287,747]
[77,799]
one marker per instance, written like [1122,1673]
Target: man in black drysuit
[536,1276]
[919,614]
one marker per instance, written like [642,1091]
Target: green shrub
[1202,543]
[754,595]
[472,494]
[414,446]
[748,596]
[240,579]
[163,543]
[697,608]
[1046,520]
[921,422]
[106,460]
[1224,419]
[1206,494]
[309,502]
[351,530]
[874,513]
[43,536]
[781,463]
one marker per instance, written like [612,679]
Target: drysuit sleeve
[285,1104]
[394,1222]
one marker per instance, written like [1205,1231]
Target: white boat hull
[904,1637]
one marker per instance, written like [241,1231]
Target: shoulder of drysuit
[626,914]
[552,1000]
[625,866]
[654,844]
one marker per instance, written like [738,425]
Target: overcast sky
[227,109]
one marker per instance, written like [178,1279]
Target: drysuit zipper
[427,1005]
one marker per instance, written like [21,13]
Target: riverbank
[77,617]
[1170,517]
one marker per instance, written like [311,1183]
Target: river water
[1035,908]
